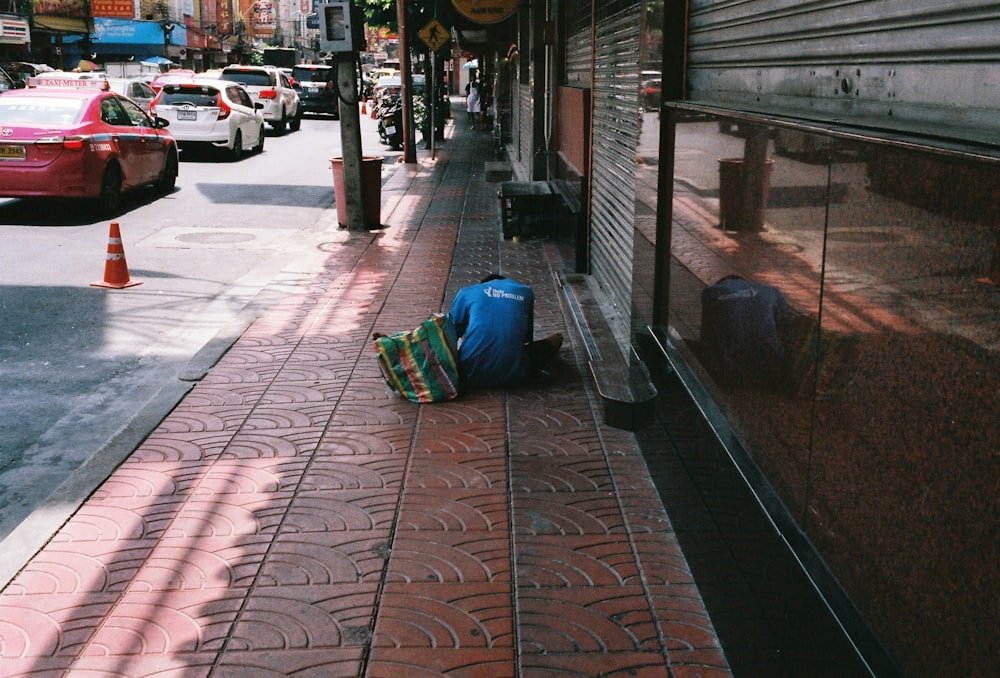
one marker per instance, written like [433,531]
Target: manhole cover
[215,237]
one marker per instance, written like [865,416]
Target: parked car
[7,82]
[270,87]
[389,88]
[215,114]
[77,139]
[316,85]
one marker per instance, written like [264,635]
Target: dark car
[7,82]
[316,85]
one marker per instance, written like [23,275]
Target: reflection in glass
[877,424]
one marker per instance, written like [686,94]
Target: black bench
[521,200]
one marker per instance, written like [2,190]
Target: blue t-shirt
[494,321]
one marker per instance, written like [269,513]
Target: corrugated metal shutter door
[616,134]
[915,65]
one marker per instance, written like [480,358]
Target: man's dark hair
[492,276]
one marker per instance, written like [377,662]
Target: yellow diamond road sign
[434,35]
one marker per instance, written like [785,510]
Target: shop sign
[486,11]
[14,31]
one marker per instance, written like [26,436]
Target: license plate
[390,130]
[313,90]
[187,115]
[13,153]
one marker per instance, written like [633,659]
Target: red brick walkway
[291,517]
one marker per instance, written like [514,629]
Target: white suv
[269,86]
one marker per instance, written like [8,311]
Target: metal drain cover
[215,238]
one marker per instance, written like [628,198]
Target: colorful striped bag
[422,364]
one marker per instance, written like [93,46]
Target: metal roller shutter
[616,134]
[914,65]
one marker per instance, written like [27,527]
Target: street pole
[409,139]
[350,142]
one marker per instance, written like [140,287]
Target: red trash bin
[371,176]
[732,185]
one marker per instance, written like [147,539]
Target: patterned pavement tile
[312,663]
[250,476]
[477,438]
[390,662]
[237,374]
[596,619]
[113,519]
[211,563]
[481,509]
[449,557]
[298,393]
[321,558]
[268,443]
[303,617]
[395,412]
[568,513]
[459,616]
[474,408]
[71,567]
[187,418]
[207,396]
[290,416]
[226,515]
[682,619]
[153,481]
[457,471]
[195,665]
[167,622]
[566,444]
[555,415]
[632,474]
[554,474]
[36,667]
[187,447]
[342,511]
[50,625]
[354,473]
[661,559]
[575,561]
[340,441]
[590,664]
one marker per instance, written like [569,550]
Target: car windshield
[303,74]
[249,78]
[41,109]
[175,95]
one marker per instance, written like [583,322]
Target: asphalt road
[85,372]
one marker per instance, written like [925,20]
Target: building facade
[845,155]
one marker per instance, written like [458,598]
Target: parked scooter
[390,125]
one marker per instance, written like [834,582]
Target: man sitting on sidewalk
[494,321]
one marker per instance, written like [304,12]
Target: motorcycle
[390,125]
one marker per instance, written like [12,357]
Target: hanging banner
[486,11]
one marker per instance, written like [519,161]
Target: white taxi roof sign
[69,82]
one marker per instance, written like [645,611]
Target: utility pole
[350,142]
[409,138]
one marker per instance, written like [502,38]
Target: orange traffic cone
[373,112]
[364,110]
[115,268]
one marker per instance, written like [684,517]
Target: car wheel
[259,148]
[296,122]
[236,152]
[169,180]
[279,125]
[110,197]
